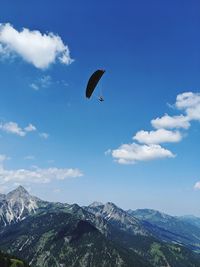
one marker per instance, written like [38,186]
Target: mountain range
[48,234]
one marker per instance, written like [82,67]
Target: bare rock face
[117,217]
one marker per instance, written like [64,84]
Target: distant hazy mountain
[191,219]
[145,241]
[181,230]
[48,234]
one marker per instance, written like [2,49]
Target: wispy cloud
[30,128]
[39,49]
[43,82]
[36,174]
[4,52]
[197,185]
[44,135]
[34,86]
[13,128]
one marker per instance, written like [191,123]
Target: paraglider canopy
[93,81]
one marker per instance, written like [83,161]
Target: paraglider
[101,98]
[92,83]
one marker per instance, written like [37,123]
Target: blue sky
[63,147]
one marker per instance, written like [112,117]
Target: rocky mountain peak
[21,189]
[117,217]
[19,192]
[110,207]
[17,205]
[96,204]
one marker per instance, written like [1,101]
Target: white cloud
[34,86]
[170,122]
[108,152]
[30,128]
[190,103]
[131,153]
[44,135]
[187,99]
[158,136]
[37,175]
[39,49]
[3,158]
[197,186]
[43,82]
[13,128]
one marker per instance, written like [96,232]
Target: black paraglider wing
[93,81]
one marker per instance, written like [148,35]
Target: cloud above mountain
[35,175]
[39,49]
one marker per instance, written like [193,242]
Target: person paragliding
[101,98]
[92,83]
